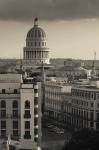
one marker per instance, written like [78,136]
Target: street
[54,141]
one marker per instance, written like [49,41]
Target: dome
[36,32]
[36,48]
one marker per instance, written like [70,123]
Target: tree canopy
[85,139]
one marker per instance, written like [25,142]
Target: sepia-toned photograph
[49,74]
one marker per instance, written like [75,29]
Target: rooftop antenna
[95,56]
[93,73]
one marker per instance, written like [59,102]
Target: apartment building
[20,111]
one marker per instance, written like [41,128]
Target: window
[15,124]
[97,115]
[27,135]
[27,104]
[97,125]
[35,100]
[27,124]
[27,114]
[3,133]
[35,90]
[35,131]
[97,105]
[3,113]
[35,111]
[36,139]
[15,113]
[91,124]
[91,115]
[15,132]
[3,104]
[3,124]
[3,91]
[35,121]
[92,95]
[15,91]
[15,104]
[92,104]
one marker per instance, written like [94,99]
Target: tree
[85,139]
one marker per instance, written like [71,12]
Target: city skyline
[72,27]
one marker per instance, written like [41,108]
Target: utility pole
[93,72]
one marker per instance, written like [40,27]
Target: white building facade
[20,111]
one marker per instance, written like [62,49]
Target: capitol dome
[36,49]
[36,32]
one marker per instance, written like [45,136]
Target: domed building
[36,51]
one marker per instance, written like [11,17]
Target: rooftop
[10,78]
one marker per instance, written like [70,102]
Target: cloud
[23,10]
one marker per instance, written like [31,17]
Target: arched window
[3,104]
[15,104]
[27,104]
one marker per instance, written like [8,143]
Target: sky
[71,26]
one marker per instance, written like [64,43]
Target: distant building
[20,111]
[58,102]
[73,63]
[85,107]
[75,106]
[36,51]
